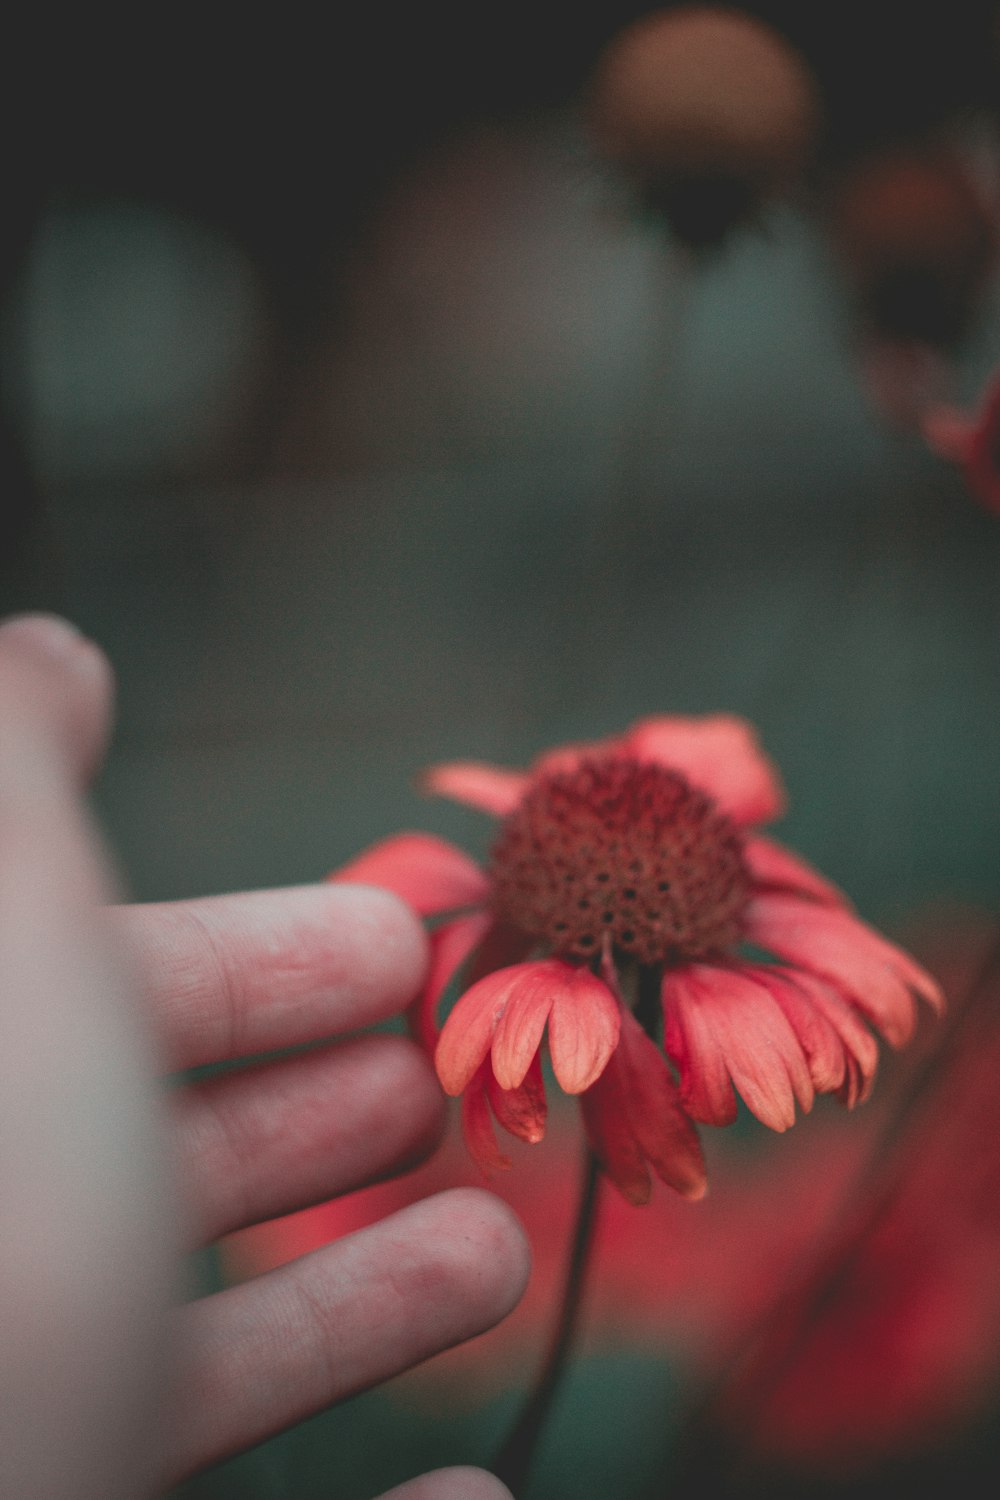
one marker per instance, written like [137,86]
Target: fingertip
[56,686]
[343,1318]
[392,937]
[488,1251]
[459,1483]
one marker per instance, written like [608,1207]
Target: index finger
[232,976]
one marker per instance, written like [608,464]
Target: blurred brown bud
[705,97]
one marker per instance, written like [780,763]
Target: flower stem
[514,1460]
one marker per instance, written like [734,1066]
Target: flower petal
[706,1088]
[980,457]
[519,1034]
[523,1110]
[860,1046]
[477,1126]
[732,1028]
[774,866]
[818,1038]
[718,753]
[450,945]
[662,1129]
[491,789]
[467,1035]
[609,1131]
[583,1029]
[566,758]
[878,977]
[430,874]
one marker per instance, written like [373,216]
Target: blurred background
[376,392]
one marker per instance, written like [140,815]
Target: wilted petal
[837,946]
[429,873]
[662,1129]
[583,1028]
[450,945]
[774,866]
[733,1029]
[491,789]
[523,1110]
[718,753]
[467,1035]
[519,1034]
[609,1131]
[477,1126]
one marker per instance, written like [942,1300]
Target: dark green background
[512,472]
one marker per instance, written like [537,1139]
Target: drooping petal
[860,1046]
[467,1034]
[582,1016]
[634,1120]
[819,1040]
[519,1033]
[477,1126]
[733,1030]
[609,1131]
[706,1088]
[491,789]
[450,944]
[662,1129]
[429,873]
[583,1028]
[877,976]
[774,867]
[718,753]
[523,1110]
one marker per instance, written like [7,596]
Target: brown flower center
[625,850]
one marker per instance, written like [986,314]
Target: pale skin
[110,1385]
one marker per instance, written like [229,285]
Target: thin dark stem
[514,1460]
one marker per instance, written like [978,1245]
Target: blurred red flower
[890,1338]
[972,441]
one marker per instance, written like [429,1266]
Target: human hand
[106,1388]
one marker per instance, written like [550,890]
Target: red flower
[885,1339]
[625,878]
[972,442]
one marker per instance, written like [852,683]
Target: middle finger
[280,1136]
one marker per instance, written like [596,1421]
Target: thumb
[56,695]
